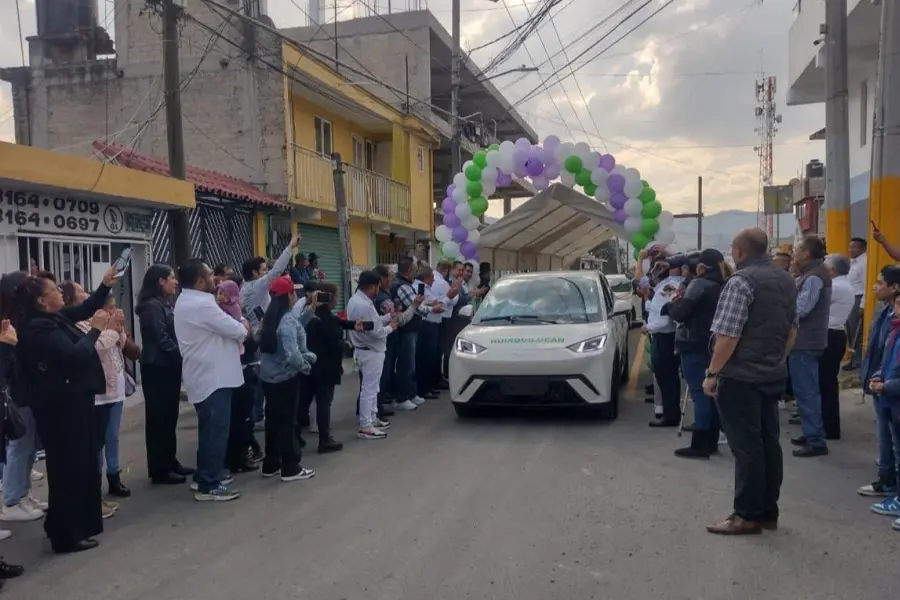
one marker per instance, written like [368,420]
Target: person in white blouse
[857,281]
[428,341]
[843,301]
[210,343]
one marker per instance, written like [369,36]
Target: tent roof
[558,221]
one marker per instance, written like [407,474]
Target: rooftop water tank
[66,18]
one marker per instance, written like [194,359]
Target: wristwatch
[711,374]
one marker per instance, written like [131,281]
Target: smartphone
[368,325]
[421,290]
[259,313]
[323,297]
[874,226]
[123,262]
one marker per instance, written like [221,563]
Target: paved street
[504,507]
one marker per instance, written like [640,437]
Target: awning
[559,223]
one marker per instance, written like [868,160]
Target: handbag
[13,423]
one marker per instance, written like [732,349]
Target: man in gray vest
[813,305]
[755,326]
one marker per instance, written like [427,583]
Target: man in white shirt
[210,344]
[428,342]
[368,349]
[662,349]
[857,280]
[448,283]
[843,301]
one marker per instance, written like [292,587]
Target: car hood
[532,336]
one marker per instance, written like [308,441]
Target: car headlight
[593,344]
[467,347]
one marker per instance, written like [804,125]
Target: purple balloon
[450,189]
[616,183]
[607,162]
[551,172]
[503,180]
[448,206]
[520,171]
[618,200]
[620,216]
[534,166]
[460,234]
[451,220]
[468,250]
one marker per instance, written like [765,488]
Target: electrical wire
[527,28]
[21,35]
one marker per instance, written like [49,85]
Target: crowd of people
[772,330]
[263,347]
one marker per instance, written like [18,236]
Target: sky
[674,99]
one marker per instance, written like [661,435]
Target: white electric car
[623,289]
[554,339]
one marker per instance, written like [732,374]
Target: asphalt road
[507,507]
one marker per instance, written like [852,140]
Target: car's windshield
[620,285]
[551,299]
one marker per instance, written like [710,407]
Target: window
[557,299]
[420,159]
[863,113]
[370,155]
[323,136]
[358,151]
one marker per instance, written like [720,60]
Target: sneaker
[302,475]
[40,455]
[5,534]
[226,481]
[408,405]
[723,441]
[371,433]
[268,474]
[23,512]
[418,400]
[896,525]
[107,511]
[217,494]
[889,507]
[382,425]
[882,487]
[36,475]
[35,503]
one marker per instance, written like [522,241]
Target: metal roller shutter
[325,242]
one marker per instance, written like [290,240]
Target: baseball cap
[281,286]
[710,257]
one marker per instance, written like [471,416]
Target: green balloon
[583,177]
[639,240]
[478,205]
[645,183]
[573,164]
[480,158]
[651,210]
[649,227]
[494,147]
[648,195]
[473,173]
[474,189]
[590,189]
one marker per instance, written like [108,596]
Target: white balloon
[489,175]
[460,195]
[633,224]
[665,220]
[507,164]
[548,156]
[489,187]
[523,144]
[551,142]
[474,236]
[618,170]
[599,176]
[443,233]
[632,174]
[459,180]
[593,160]
[603,194]
[540,182]
[633,187]
[633,207]
[564,151]
[583,151]
[493,159]
[463,211]
[665,237]
[552,171]
[470,223]
[507,147]
[567,179]
[450,248]
[466,165]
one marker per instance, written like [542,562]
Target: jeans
[111,439]
[749,413]
[370,365]
[405,378]
[888,439]
[804,367]
[20,455]
[282,447]
[102,413]
[665,370]
[706,417]
[829,370]
[427,363]
[213,422]
[162,399]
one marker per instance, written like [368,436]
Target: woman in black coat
[65,373]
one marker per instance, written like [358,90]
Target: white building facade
[806,85]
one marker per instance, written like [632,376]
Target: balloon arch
[631,199]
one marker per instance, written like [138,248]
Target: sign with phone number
[33,211]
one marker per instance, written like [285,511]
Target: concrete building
[806,85]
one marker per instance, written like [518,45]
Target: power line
[522,32]
[21,36]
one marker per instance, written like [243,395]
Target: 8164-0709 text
[35,210]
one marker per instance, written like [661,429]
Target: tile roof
[204,180]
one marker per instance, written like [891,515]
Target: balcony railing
[369,194]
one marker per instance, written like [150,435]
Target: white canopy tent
[548,232]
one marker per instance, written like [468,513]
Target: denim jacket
[292,357]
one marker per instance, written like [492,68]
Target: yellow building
[387,163]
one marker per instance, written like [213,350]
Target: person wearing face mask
[662,342]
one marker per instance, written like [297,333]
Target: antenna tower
[766,127]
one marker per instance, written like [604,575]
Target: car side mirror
[621,308]
[467,311]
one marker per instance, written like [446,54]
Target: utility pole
[343,218]
[699,212]
[837,135]
[455,154]
[178,220]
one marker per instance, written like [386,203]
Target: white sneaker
[371,433]
[418,400]
[35,503]
[36,475]
[302,475]
[20,512]
[382,425]
[5,534]
[406,405]
[313,428]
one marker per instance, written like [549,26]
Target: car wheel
[463,410]
[610,410]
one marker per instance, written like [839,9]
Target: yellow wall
[420,187]
[359,237]
[342,131]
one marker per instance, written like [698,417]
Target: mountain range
[719,229]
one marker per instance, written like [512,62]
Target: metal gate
[81,261]
[220,233]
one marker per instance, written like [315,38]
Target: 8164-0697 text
[35,210]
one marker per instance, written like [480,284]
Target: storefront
[325,243]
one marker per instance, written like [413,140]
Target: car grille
[527,391]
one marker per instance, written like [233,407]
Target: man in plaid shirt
[405,295]
[755,326]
